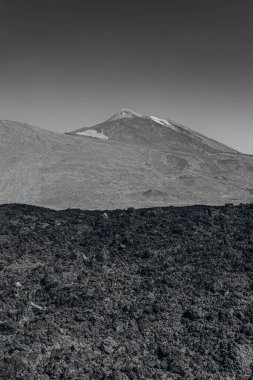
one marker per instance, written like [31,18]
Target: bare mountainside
[150,131]
[138,162]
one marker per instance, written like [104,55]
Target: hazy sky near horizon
[71,63]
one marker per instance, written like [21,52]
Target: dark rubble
[161,293]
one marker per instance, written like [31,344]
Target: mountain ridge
[139,126]
[134,169]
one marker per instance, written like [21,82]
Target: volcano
[130,160]
[153,132]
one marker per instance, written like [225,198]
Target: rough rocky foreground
[162,293]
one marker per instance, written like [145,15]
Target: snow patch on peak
[163,122]
[160,121]
[93,133]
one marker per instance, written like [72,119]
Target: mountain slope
[150,131]
[59,171]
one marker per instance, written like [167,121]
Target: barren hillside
[129,170]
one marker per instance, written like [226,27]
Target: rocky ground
[162,293]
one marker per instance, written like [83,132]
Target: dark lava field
[161,293]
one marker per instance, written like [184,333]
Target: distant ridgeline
[129,160]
